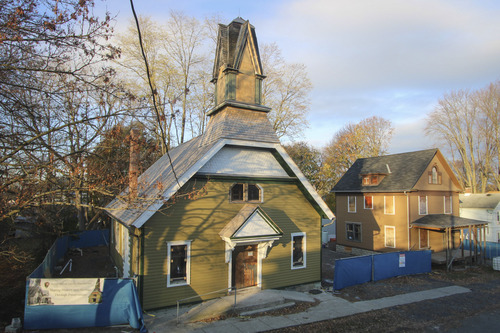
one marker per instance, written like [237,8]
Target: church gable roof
[233,123]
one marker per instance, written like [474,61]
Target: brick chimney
[133,170]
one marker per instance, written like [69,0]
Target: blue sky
[390,58]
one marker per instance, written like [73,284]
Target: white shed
[484,207]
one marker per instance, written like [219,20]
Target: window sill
[177,284]
[297,267]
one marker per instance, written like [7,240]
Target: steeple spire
[237,72]
[238,113]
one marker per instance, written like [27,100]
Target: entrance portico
[248,236]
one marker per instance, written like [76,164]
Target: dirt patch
[437,315]
[391,287]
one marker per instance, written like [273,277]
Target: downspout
[408,218]
[326,225]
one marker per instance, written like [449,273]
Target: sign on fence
[357,270]
[53,303]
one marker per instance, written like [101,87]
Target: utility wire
[153,91]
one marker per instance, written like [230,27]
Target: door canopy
[250,226]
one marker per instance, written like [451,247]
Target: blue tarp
[393,264]
[85,239]
[357,270]
[120,305]
[352,271]
[120,302]
[492,249]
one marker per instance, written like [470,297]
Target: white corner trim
[126,252]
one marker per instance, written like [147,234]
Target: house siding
[373,222]
[202,219]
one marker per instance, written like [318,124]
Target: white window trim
[349,206]
[385,236]
[364,201]
[188,263]
[434,175]
[426,205]
[304,249]
[451,204]
[393,205]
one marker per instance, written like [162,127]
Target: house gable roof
[402,172]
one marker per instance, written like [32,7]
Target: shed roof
[442,221]
[480,200]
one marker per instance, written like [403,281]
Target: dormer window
[435,176]
[371,180]
[245,193]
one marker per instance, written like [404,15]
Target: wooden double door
[244,268]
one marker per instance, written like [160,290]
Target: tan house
[231,209]
[407,201]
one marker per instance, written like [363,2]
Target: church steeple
[237,72]
[238,113]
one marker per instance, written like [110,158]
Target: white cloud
[410,136]
[390,58]
[364,43]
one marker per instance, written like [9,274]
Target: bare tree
[467,123]
[175,53]
[53,79]
[184,44]
[489,103]
[286,90]
[135,78]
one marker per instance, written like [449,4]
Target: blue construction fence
[358,270]
[54,303]
[491,251]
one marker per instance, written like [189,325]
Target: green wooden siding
[200,220]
